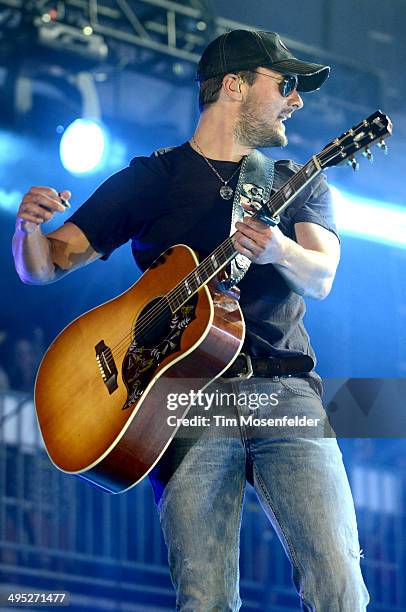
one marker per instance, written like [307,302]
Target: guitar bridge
[107,366]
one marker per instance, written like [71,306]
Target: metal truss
[128,32]
[162,38]
[135,32]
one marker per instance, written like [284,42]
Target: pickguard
[155,337]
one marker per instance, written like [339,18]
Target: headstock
[357,140]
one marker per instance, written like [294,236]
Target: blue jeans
[300,481]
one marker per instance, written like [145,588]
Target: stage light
[10,200]
[83,146]
[370,219]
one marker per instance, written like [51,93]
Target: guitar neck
[288,192]
[225,252]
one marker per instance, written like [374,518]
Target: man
[249,86]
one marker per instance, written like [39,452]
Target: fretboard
[284,196]
[201,275]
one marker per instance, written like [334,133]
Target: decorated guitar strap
[254,185]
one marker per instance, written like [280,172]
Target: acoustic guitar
[102,387]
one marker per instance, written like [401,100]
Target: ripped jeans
[299,478]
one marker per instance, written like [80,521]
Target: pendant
[226,192]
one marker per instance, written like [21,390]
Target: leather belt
[246,366]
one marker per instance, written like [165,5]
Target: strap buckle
[243,375]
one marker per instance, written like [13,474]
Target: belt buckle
[242,375]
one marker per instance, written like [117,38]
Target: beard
[252,131]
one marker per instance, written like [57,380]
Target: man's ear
[232,85]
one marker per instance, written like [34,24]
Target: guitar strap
[255,181]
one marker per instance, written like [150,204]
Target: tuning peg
[382,145]
[368,154]
[353,163]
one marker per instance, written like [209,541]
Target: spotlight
[370,219]
[83,146]
[10,200]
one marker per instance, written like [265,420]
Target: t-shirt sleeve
[318,208]
[118,208]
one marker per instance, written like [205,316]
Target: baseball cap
[245,49]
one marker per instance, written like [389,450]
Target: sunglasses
[286,86]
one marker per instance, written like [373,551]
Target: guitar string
[159,310]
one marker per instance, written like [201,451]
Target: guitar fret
[309,168]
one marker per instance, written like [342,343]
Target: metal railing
[56,530]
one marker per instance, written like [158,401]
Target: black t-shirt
[173,198]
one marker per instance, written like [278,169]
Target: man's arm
[41,259]
[308,265]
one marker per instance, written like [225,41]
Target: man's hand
[39,258]
[308,264]
[259,242]
[37,206]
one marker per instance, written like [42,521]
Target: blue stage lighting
[369,219]
[10,200]
[83,146]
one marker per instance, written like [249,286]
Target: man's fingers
[37,211]
[49,194]
[52,193]
[246,246]
[250,246]
[246,252]
[43,200]
[249,229]
[259,226]
[31,218]
[256,238]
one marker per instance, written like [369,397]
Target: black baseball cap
[246,49]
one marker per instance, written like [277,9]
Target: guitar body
[102,388]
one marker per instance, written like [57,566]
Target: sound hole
[157,334]
[151,328]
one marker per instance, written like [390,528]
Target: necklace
[226,191]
